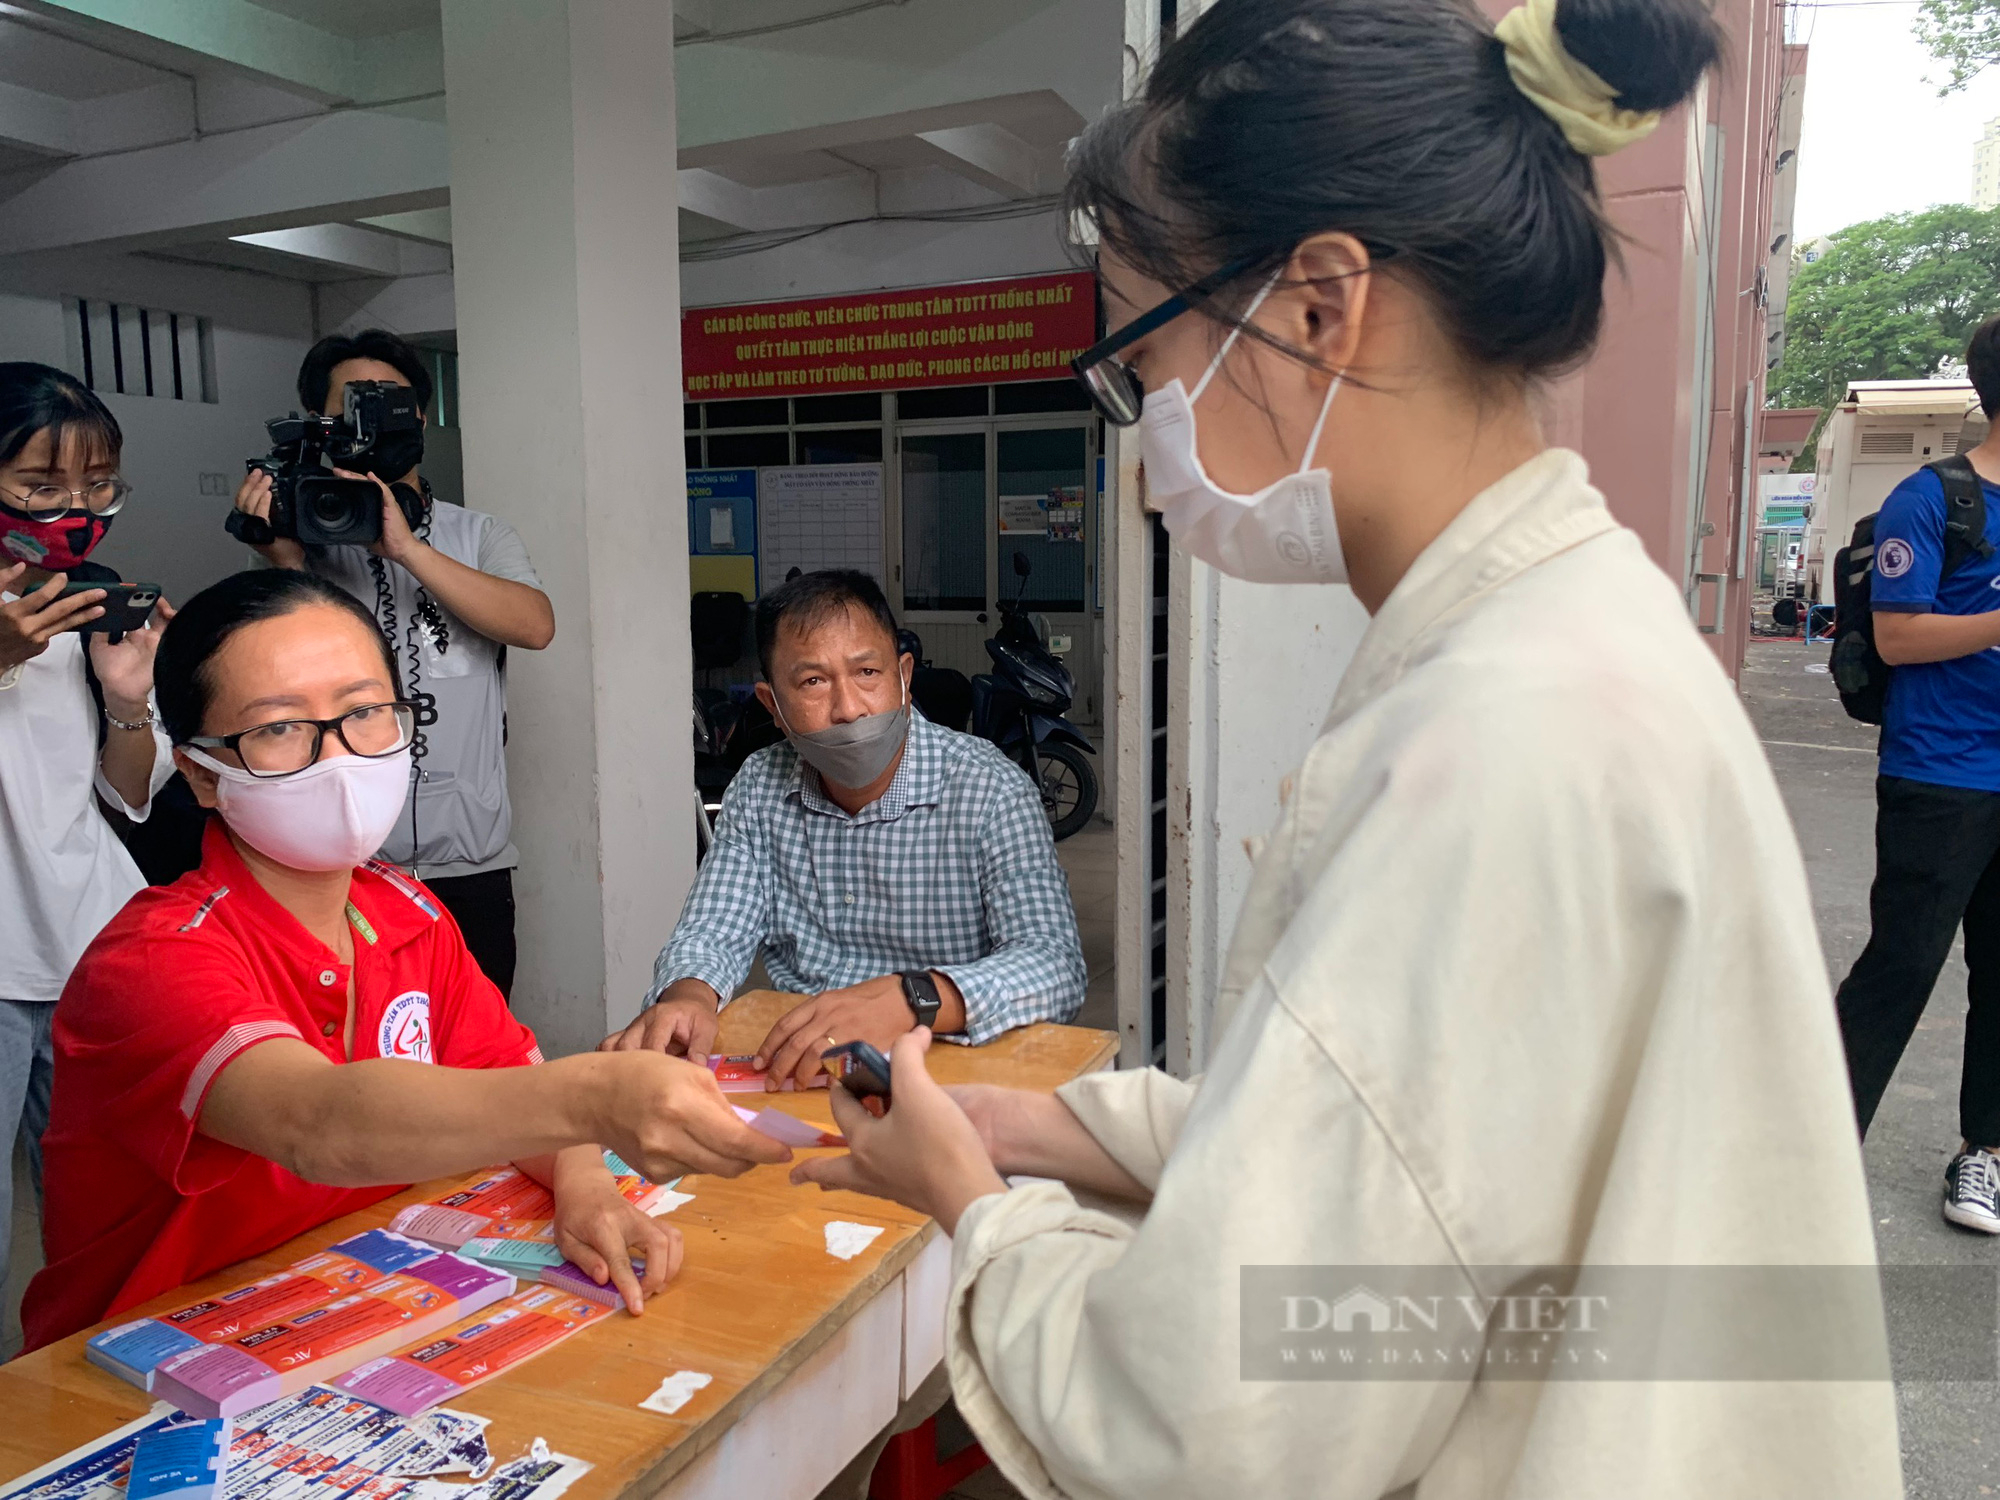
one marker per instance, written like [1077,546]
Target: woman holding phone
[76,723]
[1524,999]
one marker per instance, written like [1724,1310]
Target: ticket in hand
[790,1129]
[737,1075]
[740,1074]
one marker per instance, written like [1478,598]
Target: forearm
[1039,1136]
[1017,985]
[498,608]
[128,757]
[1907,639]
[570,1166]
[381,1121]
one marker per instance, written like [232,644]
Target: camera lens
[337,512]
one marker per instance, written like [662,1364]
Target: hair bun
[1654,52]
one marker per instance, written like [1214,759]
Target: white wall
[171,533]
[1255,669]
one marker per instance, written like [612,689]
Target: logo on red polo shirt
[406,1028]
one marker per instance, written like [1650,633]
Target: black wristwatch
[922,992]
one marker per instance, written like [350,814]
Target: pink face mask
[55,545]
[330,816]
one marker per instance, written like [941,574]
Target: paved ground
[1826,769]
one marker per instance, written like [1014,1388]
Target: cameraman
[451,595]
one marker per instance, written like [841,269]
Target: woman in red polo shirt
[294,1031]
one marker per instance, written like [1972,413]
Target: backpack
[1859,672]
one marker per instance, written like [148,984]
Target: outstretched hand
[923,1152]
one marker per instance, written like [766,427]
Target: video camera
[320,509]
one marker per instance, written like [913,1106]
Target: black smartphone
[858,1068]
[126,606]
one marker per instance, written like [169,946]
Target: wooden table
[810,1355]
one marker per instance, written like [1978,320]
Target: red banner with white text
[1019,328]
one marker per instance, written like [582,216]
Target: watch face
[921,991]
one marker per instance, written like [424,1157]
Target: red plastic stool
[910,1469]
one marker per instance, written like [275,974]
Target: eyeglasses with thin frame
[289,746]
[51,502]
[1115,388]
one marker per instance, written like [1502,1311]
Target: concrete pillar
[565,240]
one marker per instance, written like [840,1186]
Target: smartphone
[858,1068]
[126,606]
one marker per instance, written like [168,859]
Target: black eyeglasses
[1114,388]
[290,745]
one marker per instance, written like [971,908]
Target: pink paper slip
[790,1129]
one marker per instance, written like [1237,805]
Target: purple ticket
[400,1386]
[216,1381]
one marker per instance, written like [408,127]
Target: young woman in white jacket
[1524,1030]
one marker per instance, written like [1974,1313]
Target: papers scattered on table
[316,1445]
[790,1129]
[676,1391]
[844,1241]
[540,1475]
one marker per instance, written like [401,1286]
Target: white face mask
[1285,533]
[331,816]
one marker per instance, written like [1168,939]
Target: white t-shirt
[462,817]
[63,872]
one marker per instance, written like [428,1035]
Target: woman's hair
[378,344]
[36,398]
[1397,122]
[183,668]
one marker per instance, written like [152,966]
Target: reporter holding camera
[451,589]
[76,723]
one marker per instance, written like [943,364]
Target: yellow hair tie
[1564,89]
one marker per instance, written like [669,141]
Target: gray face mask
[853,754]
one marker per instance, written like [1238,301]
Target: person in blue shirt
[1937,821]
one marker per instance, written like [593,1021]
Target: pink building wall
[1636,408]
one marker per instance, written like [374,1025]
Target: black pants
[1937,863]
[483,907]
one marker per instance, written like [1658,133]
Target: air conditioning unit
[1888,442]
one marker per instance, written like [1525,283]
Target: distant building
[1986,167]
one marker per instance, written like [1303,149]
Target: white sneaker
[1972,1191]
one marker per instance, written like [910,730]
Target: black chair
[718,619]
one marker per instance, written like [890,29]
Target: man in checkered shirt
[925,892]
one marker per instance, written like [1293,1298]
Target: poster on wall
[815,516]
[973,333]
[1066,514]
[1023,515]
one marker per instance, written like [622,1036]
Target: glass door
[1042,475]
[944,522]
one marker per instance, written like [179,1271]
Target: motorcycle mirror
[1022,567]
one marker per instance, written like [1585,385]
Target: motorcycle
[1020,706]
[727,732]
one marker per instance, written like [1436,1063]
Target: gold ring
[830,1041]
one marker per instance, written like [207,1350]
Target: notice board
[973,333]
[815,516]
